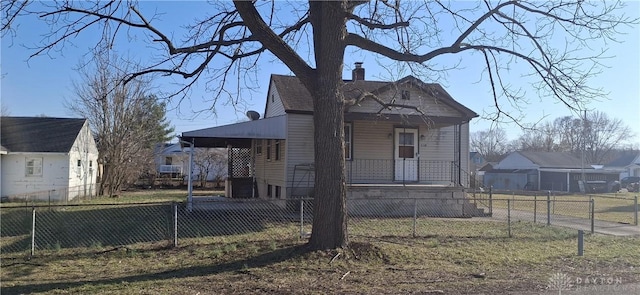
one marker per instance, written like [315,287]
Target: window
[406,146]
[277,147]
[406,95]
[273,98]
[268,149]
[259,147]
[90,163]
[347,141]
[277,192]
[269,191]
[33,167]
[168,160]
[79,163]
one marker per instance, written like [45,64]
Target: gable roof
[296,98]
[39,134]
[553,159]
[626,159]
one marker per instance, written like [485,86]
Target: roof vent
[253,115]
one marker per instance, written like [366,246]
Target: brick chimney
[358,72]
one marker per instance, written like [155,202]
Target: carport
[238,140]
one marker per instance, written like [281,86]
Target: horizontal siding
[299,152]
[274,103]
[426,103]
[269,171]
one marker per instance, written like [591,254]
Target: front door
[406,154]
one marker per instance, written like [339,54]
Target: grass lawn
[448,255]
[608,207]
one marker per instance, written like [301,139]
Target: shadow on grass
[101,226]
[262,260]
[622,209]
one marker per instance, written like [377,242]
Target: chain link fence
[42,229]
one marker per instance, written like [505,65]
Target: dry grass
[608,207]
[473,258]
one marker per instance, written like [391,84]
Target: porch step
[472,210]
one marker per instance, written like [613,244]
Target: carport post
[175,224]
[548,207]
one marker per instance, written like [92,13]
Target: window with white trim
[348,140]
[268,149]
[33,167]
[277,149]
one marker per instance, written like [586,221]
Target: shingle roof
[624,160]
[296,98]
[39,134]
[554,159]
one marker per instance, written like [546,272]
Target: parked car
[631,183]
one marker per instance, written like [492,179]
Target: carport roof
[239,134]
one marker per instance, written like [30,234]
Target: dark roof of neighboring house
[39,134]
[553,159]
[625,160]
[296,98]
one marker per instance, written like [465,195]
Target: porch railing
[167,169]
[371,171]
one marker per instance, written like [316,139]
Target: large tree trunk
[330,216]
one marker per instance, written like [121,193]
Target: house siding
[85,151]
[274,107]
[426,103]
[269,171]
[55,175]
[299,152]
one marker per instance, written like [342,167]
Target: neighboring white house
[47,158]
[172,161]
[390,152]
[628,164]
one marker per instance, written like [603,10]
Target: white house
[628,164]
[390,152]
[47,158]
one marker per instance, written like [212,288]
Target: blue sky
[40,85]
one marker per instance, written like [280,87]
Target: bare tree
[4,110]
[504,35]
[593,136]
[602,135]
[209,163]
[492,143]
[126,120]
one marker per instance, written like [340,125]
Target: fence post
[491,200]
[548,207]
[593,210]
[175,224]
[509,215]
[535,208]
[301,218]
[33,231]
[580,242]
[415,216]
[635,210]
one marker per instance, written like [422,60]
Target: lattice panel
[240,163]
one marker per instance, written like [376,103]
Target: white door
[406,154]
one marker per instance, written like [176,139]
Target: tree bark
[330,215]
